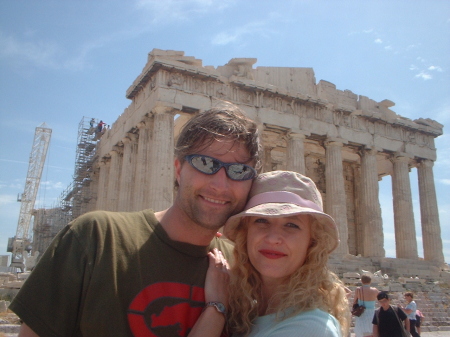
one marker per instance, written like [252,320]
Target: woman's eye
[292,225]
[261,220]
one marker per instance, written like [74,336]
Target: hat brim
[277,210]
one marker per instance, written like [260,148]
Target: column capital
[130,137]
[163,110]
[426,162]
[144,123]
[105,160]
[335,141]
[372,150]
[400,158]
[295,135]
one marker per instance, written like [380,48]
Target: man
[388,320]
[410,310]
[143,273]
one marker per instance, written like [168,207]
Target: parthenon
[344,141]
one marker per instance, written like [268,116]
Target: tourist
[389,321]
[143,273]
[280,282]
[419,320]
[365,296]
[410,310]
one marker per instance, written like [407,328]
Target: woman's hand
[217,278]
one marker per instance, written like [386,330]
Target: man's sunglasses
[210,165]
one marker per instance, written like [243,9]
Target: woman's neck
[268,304]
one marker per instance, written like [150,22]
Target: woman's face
[278,246]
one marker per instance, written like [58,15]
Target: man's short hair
[410,294]
[382,295]
[228,122]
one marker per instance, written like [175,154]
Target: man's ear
[178,166]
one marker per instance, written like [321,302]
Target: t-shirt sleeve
[374,319]
[401,314]
[50,298]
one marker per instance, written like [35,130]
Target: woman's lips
[272,254]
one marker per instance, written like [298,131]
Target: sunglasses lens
[210,165]
[240,172]
[204,164]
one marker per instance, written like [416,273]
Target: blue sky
[62,60]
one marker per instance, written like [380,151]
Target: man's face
[209,200]
[408,298]
[384,303]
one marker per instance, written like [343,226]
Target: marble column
[102,190]
[296,153]
[162,157]
[115,171]
[431,229]
[405,230]
[93,189]
[359,236]
[336,204]
[127,178]
[267,160]
[143,167]
[372,223]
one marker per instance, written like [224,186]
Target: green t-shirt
[116,274]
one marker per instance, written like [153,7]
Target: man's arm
[407,324]
[25,331]
[374,330]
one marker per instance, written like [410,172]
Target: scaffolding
[74,200]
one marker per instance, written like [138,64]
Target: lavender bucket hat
[279,194]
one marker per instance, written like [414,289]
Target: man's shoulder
[108,219]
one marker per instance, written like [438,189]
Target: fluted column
[102,189]
[127,178]
[372,222]
[296,153]
[93,188]
[359,237]
[431,229]
[336,203]
[405,230]
[143,167]
[162,158]
[267,162]
[115,171]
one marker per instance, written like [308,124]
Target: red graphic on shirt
[165,309]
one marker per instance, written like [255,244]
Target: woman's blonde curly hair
[312,286]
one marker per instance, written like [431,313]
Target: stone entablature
[343,141]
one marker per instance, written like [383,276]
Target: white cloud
[437,68]
[237,34]
[445,181]
[52,185]
[172,10]
[7,199]
[378,41]
[423,75]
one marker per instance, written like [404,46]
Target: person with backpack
[389,320]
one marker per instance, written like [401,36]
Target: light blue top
[413,306]
[367,304]
[314,323]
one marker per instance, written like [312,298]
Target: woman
[366,296]
[280,284]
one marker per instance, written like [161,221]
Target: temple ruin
[344,141]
